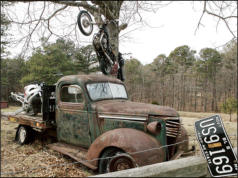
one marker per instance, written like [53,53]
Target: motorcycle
[31,100]
[108,62]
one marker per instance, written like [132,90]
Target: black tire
[80,25]
[106,68]
[120,74]
[24,135]
[112,164]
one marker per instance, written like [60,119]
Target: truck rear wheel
[24,135]
[118,161]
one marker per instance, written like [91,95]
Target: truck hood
[126,107]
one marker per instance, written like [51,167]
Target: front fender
[130,141]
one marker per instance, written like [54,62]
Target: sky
[176,25]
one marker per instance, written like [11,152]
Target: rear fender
[134,142]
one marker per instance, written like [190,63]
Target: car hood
[126,107]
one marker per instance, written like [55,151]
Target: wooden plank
[193,166]
[35,122]
[186,167]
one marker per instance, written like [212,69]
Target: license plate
[216,146]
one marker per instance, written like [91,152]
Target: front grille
[172,127]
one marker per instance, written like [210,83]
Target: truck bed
[32,121]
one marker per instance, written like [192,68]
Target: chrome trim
[122,118]
[173,127]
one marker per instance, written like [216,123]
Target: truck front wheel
[24,135]
[113,160]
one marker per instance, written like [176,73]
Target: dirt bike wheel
[84,21]
[105,67]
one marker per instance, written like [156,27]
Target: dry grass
[16,158]
[200,115]
[189,118]
[11,109]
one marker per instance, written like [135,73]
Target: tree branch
[105,9]
[205,10]
[123,26]
[38,20]
[60,9]
[199,22]
[29,36]
[222,18]
[83,4]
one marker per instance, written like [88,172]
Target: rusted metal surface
[74,152]
[130,141]
[172,132]
[89,78]
[121,162]
[72,118]
[126,107]
[173,127]
[154,127]
[119,123]
[96,126]
[73,126]
[106,124]
[35,122]
[183,136]
[3,104]
[119,106]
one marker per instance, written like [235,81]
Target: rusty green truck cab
[93,112]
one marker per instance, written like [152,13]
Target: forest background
[186,80]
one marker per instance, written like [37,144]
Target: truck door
[72,117]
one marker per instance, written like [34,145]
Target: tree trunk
[111,11]
[205,97]
[173,90]
[195,102]
[163,94]
[184,93]
[114,38]
[214,99]
[225,91]
[235,85]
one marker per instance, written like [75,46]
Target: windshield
[106,90]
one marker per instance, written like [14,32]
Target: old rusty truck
[96,124]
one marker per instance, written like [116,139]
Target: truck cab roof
[89,78]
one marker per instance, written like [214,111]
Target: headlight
[154,127]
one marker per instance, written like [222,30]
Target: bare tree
[225,11]
[32,20]
[50,19]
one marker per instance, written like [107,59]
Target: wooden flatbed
[32,121]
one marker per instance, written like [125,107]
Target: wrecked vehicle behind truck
[93,119]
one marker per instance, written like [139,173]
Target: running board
[75,152]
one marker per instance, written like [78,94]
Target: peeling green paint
[81,125]
[73,128]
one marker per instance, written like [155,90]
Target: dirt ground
[18,161]
[36,160]
[189,118]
